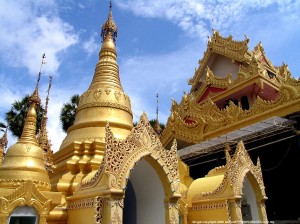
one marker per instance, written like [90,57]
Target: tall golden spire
[107,69]
[109,27]
[104,101]
[26,156]
[43,139]
[29,129]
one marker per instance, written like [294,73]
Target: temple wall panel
[81,216]
[206,213]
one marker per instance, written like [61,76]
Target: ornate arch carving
[236,169]
[27,194]
[122,155]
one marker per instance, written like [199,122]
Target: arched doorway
[249,205]
[144,196]
[23,215]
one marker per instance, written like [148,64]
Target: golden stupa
[107,171]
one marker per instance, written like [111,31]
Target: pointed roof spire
[43,140]
[29,129]
[157,127]
[35,96]
[3,145]
[227,153]
[109,28]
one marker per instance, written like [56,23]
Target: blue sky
[159,45]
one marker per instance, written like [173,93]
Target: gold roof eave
[212,121]
[237,50]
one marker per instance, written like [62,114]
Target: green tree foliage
[68,111]
[15,117]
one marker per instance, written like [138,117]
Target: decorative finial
[156,106]
[109,28]
[35,96]
[157,127]
[48,91]
[227,153]
[43,140]
[29,129]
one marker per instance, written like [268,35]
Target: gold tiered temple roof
[203,113]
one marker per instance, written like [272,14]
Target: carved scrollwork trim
[208,206]
[25,194]
[121,156]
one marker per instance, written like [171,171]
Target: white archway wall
[149,193]
[249,195]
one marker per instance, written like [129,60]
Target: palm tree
[68,111]
[15,118]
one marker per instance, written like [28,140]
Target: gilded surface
[43,139]
[121,156]
[237,50]
[104,95]
[208,206]
[25,155]
[99,207]
[27,194]
[211,121]
[236,169]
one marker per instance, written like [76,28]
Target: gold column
[113,210]
[172,211]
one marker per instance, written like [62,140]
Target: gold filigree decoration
[81,204]
[105,104]
[9,183]
[236,169]
[208,206]
[237,50]
[213,80]
[213,121]
[99,208]
[121,156]
[26,194]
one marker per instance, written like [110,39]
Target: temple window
[245,103]
[23,215]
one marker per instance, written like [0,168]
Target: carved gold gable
[236,169]
[26,194]
[122,155]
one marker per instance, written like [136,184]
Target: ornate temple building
[109,171]
[239,95]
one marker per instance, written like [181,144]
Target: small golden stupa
[25,160]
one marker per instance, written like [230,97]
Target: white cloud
[197,17]
[91,46]
[33,30]
[144,76]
